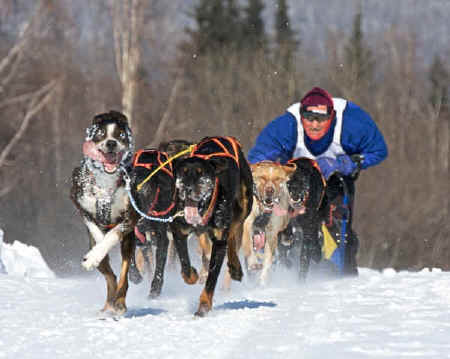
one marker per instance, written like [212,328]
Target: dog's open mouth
[192,215]
[110,160]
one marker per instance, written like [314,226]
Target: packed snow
[376,315]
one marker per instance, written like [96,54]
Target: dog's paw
[192,278]
[236,272]
[120,308]
[134,275]
[90,261]
[203,310]
[156,288]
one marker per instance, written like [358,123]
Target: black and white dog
[98,191]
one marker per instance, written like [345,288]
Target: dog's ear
[111,116]
[289,168]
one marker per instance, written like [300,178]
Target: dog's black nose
[269,193]
[111,145]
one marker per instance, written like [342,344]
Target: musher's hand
[342,164]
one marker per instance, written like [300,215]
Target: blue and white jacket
[351,132]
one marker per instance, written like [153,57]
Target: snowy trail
[377,315]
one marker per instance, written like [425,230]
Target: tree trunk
[127,22]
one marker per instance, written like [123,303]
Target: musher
[331,131]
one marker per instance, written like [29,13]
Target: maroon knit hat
[317,96]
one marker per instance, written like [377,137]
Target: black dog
[214,190]
[306,189]
[155,201]
[98,191]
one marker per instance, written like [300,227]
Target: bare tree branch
[17,99]
[6,189]
[40,99]
[165,119]
[24,38]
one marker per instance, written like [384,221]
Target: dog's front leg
[188,272]
[96,233]
[102,247]
[247,239]
[269,250]
[218,252]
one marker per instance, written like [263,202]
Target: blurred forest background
[187,69]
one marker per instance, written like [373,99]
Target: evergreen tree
[439,78]
[234,23]
[358,56]
[217,26]
[254,35]
[286,43]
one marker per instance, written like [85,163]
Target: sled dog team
[208,190]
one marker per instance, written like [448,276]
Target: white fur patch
[96,233]
[93,258]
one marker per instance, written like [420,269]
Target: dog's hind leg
[162,244]
[171,253]
[134,273]
[217,257]
[147,255]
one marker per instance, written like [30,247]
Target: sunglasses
[314,116]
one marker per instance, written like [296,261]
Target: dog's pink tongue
[139,235]
[297,211]
[258,241]
[91,151]
[191,215]
[278,211]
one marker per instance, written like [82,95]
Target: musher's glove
[342,164]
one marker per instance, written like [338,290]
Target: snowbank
[23,260]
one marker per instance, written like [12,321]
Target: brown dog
[268,217]
[98,191]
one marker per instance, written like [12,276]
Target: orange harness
[220,142]
[167,168]
[232,153]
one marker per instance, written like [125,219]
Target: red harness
[161,157]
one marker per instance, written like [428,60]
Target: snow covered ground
[377,315]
